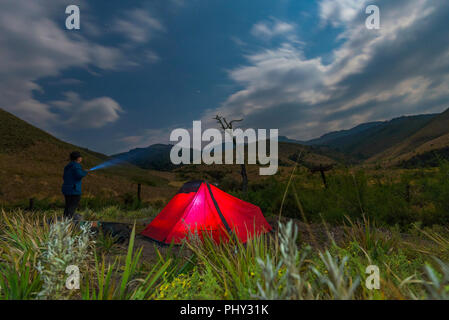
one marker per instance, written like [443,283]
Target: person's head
[76,156]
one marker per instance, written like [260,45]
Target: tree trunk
[244,178]
[323,177]
[242,171]
[31,204]
[139,190]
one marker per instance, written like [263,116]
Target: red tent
[200,207]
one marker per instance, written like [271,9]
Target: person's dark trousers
[71,204]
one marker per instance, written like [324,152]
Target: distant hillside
[32,162]
[431,158]
[342,137]
[288,140]
[156,157]
[433,136]
[369,139]
[366,142]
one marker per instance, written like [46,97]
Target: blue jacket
[73,174]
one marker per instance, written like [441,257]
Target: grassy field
[325,239]
[34,257]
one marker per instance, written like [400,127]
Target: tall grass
[21,242]
[388,198]
[277,267]
[232,263]
[33,249]
[115,281]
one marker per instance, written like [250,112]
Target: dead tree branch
[225,125]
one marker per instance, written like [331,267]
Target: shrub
[63,248]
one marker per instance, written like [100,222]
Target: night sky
[138,69]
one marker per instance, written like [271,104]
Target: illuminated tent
[199,207]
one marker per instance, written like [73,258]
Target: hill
[228,176]
[366,140]
[156,157]
[433,136]
[32,162]
[342,137]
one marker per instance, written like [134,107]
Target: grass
[267,267]
[388,198]
[122,281]
[326,239]
[34,255]
[115,213]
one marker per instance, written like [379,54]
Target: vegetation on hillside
[388,197]
[434,135]
[369,139]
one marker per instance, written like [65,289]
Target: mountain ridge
[433,136]
[369,139]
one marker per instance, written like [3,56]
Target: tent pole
[218,209]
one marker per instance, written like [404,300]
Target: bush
[63,248]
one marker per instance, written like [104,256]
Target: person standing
[71,188]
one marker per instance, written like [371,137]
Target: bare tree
[225,125]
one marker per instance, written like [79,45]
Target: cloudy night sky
[138,69]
